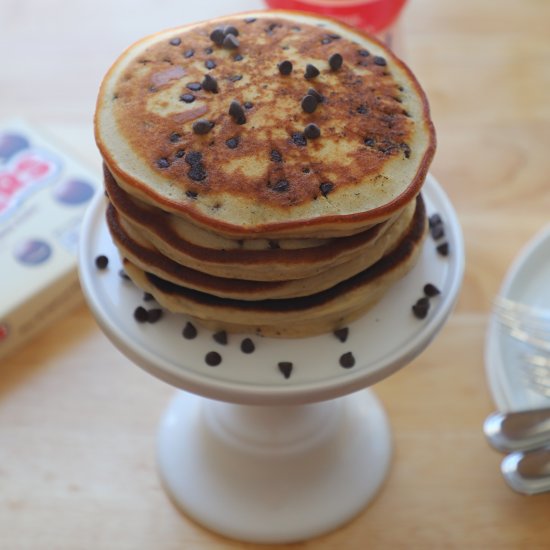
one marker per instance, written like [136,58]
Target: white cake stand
[249,450]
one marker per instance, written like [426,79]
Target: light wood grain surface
[78,421]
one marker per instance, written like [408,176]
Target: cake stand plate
[259,451]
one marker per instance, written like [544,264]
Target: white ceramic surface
[527,281]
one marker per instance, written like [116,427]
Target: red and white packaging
[43,195]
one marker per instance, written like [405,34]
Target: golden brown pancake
[254,170]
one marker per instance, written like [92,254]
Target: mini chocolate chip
[217,36]
[306,170]
[148,297]
[347,360]
[187,98]
[435,219]
[247,346]
[334,36]
[437,231]
[191,194]
[311,71]
[237,112]
[175,41]
[188,53]
[230,42]
[197,172]
[285,367]
[213,358]
[123,275]
[316,95]
[154,315]
[238,57]
[220,337]
[202,126]
[163,162]
[430,290]
[276,156]
[371,142]
[406,150]
[210,84]
[101,262]
[189,331]
[364,53]
[421,307]
[194,86]
[335,61]
[175,137]
[180,153]
[248,105]
[443,249]
[285,67]
[236,77]
[233,142]
[326,187]
[299,139]
[380,61]
[309,103]
[281,186]
[193,158]
[249,20]
[312,131]
[208,51]
[140,314]
[363,109]
[210,64]
[230,29]
[342,334]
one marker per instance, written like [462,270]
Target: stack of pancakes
[264,170]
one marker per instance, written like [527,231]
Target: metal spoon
[528,472]
[518,431]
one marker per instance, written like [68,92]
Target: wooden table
[78,421]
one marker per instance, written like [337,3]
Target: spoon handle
[518,431]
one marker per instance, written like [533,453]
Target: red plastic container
[374,16]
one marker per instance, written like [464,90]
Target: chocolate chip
[309,103]
[175,137]
[364,53]
[213,358]
[220,337]
[208,51]
[316,95]
[281,186]
[236,77]
[163,162]
[191,194]
[193,158]
[406,150]
[421,307]
[435,219]
[154,315]
[431,290]
[210,64]
[247,346]
[363,109]
[148,297]
[299,139]
[237,112]
[335,61]
[273,245]
[312,131]
[188,53]
[437,231]
[217,36]
[276,156]
[285,67]
[286,368]
[189,331]
[202,126]
[249,20]
[443,249]
[326,187]
[347,360]
[230,42]
[380,61]
[180,153]
[197,172]
[175,41]
[210,84]
[342,334]
[140,314]
[101,262]
[371,142]
[248,105]
[233,142]
[311,71]
[123,275]
[187,98]
[230,29]
[194,86]
[238,57]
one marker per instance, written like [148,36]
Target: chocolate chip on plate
[101,262]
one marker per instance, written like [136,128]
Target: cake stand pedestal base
[273,474]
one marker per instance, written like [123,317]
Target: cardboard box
[43,195]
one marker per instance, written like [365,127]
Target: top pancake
[263,178]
